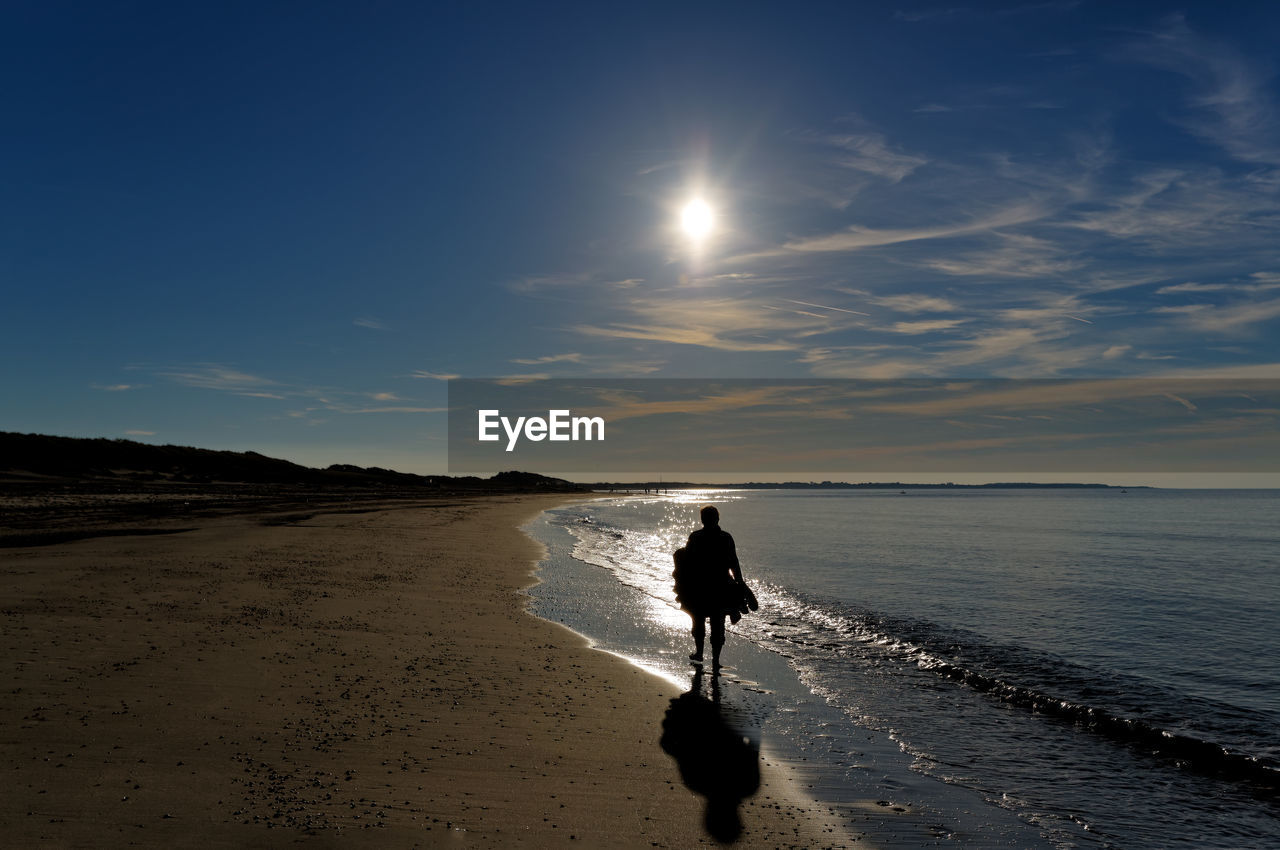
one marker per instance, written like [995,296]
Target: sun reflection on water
[643,559]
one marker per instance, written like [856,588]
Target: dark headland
[35,459]
[54,489]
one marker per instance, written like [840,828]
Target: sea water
[1007,667]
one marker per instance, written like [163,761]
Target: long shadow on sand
[716,760]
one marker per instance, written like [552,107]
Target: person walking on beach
[712,578]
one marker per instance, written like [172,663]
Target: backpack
[682,577]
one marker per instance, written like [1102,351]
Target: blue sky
[279,226]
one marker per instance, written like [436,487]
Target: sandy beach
[358,676]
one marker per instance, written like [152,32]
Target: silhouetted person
[716,760]
[713,577]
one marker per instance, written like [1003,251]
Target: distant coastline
[865,485]
[28,460]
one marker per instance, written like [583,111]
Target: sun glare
[697,219]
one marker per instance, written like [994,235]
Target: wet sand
[338,678]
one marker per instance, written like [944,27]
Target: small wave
[791,624]
[929,648]
[1191,752]
[1097,743]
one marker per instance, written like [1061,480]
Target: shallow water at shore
[1008,665]
[863,775]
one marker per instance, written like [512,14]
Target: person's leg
[699,636]
[717,639]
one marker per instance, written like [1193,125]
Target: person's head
[710,516]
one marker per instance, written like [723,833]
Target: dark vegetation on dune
[37,458]
[59,489]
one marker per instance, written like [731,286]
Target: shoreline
[862,777]
[371,677]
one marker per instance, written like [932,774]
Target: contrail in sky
[825,307]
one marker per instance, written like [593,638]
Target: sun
[697,220]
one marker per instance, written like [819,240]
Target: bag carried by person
[681,576]
[739,600]
[732,597]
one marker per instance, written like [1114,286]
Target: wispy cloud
[1173,209]
[117,388]
[622,406]
[1115,351]
[213,376]
[989,99]
[1259,283]
[1237,317]
[856,237]
[434,376]
[868,152]
[880,361]
[1014,255]
[627,367]
[1049,310]
[339,406]
[516,380]
[1024,397]
[368,322]
[660,166]
[315,399]
[541,283]
[700,336]
[911,302]
[573,357]
[926,326]
[1230,104]
[728,324]
[1242,372]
